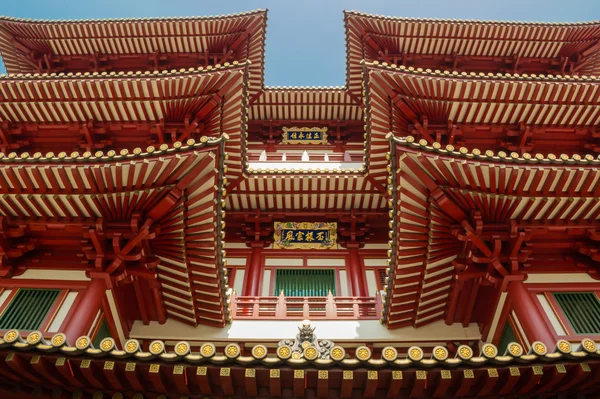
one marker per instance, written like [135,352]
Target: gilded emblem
[304,135]
[305,235]
[259,351]
[389,353]
[363,353]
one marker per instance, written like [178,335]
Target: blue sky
[305,38]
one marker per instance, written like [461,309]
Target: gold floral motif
[468,373]
[311,353]
[305,344]
[33,338]
[564,346]
[490,350]
[58,340]
[85,364]
[585,367]
[421,375]
[251,373]
[390,354]
[232,350]
[539,348]
[493,373]
[201,370]
[296,355]
[284,352]
[131,346]
[515,349]
[154,368]
[465,352]
[109,365]
[11,335]
[415,354]
[538,370]
[156,347]
[589,345]
[60,361]
[106,344]
[323,375]
[396,375]
[130,367]
[259,351]
[35,359]
[561,368]
[337,353]
[348,375]
[225,372]
[363,353]
[446,375]
[298,373]
[372,375]
[82,343]
[178,370]
[207,350]
[514,371]
[440,353]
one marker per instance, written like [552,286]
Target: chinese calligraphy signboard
[291,235]
[304,135]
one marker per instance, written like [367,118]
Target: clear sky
[305,38]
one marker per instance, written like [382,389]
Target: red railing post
[255,306]
[330,308]
[378,304]
[281,307]
[355,311]
[305,308]
[233,302]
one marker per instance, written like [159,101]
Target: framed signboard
[304,135]
[304,235]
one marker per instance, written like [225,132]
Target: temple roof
[305,104]
[95,190]
[373,37]
[241,36]
[436,191]
[222,371]
[210,99]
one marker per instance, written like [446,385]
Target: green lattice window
[103,332]
[305,282]
[508,336]
[28,309]
[582,310]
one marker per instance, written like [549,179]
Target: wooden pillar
[84,314]
[533,322]
[356,272]
[254,271]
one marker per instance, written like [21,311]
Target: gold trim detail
[34,338]
[440,353]
[588,345]
[421,374]
[83,343]
[107,344]
[585,367]
[311,353]
[465,352]
[61,361]
[232,351]
[468,373]
[132,346]
[415,353]
[396,375]
[108,365]
[284,352]
[493,373]
[35,359]
[130,367]
[446,374]
[259,351]
[561,368]
[323,375]
[207,350]
[538,370]
[250,373]
[182,348]
[225,372]
[363,353]
[58,340]
[372,375]
[514,371]
[85,364]
[489,350]
[337,353]
[564,346]
[298,373]
[389,353]
[157,347]
[515,349]
[11,336]
[304,135]
[202,371]
[348,375]
[178,370]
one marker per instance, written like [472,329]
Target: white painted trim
[371,282]
[237,245]
[370,262]
[284,262]
[4,296]
[376,246]
[496,318]
[306,165]
[275,330]
[266,285]
[93,326]
[326,262]
[62,311]
[560,278]
[558,328]
[115,315]
[238,282]
[521,331]
[236,261]
[39,274]
[343,283]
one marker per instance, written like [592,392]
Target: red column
[356,273]
[533,322]
[84,314]
[253,271]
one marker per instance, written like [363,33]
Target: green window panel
[582,310]
[305,282]
[103,332]
[508,336]
[28,309]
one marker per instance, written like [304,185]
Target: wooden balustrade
[299,308]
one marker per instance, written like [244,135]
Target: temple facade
[171,228]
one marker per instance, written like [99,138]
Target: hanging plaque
[303,235]
[304,135]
